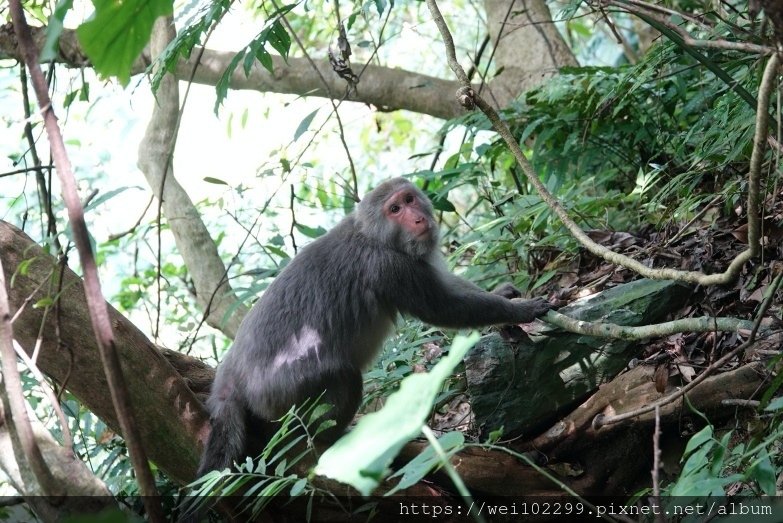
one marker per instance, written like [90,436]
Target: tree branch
[25,446]
[623,332]
[601,420]
[386,87]
[82,492]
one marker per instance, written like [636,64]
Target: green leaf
[703,485]
[54,29]
[298,487]
[361,458]
[764,473]
[95,202]
[415,470]
[221,87]
[380,5]
[442,204]
[279,39]
[117,32]
[304,124]
[317,412]
[216,181]
[43,302]
[310,232]
[775,404]
[698,439]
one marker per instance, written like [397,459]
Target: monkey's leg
[342,389]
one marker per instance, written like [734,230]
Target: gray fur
[326,315]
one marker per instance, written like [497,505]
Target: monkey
[326,315]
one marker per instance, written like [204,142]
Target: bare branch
[386,87]
[622,332]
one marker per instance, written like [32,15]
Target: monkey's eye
[394,209]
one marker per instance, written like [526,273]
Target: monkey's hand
[532,309]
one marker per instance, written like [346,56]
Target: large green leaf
[117,32]
[362,457]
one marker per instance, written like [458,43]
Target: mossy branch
[621,332]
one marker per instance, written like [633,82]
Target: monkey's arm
[440,298]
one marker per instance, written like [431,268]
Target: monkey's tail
[226,442]
[225,445]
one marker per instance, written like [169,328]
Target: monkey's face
[410,215]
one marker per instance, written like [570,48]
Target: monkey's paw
[532,309]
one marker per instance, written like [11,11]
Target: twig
[470,99]
[630,54]
[43,191]
[99,314]
[14,403]
[117,236]
[656,488]
[329,96]
[293,218]
[47,389]
[737,402]
[667,11]
[693,220]
[686,36]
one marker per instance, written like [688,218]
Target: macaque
[324,318]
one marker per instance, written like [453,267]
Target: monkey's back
[318,321]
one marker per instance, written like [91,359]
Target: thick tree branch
[25,446]
[385,87]
[82,491]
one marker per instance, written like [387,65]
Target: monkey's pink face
[406,210]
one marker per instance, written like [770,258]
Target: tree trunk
[528,47]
